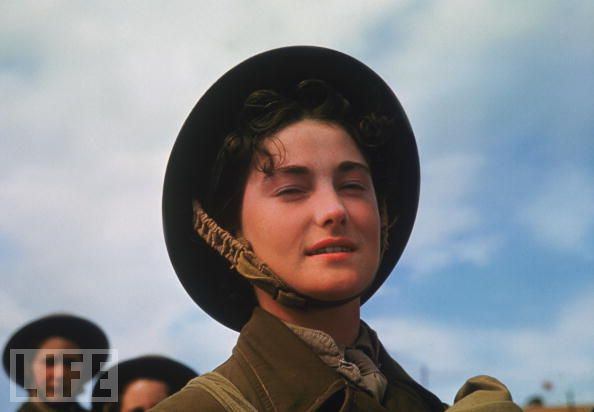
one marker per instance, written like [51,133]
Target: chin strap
[247,264]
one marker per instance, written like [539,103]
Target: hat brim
[206,276]
[84,333]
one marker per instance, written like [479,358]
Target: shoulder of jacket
[484,394]
[188,399]
[212,391]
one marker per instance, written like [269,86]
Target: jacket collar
[397,375]
[265,343]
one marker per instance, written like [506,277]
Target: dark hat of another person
[86,335]
[153,367]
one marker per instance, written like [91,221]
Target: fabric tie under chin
[355,363]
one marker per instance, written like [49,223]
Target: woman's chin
[336,290]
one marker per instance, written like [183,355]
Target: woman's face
[143,394]
[54,377]
[314,220]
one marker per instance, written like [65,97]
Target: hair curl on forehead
[264,113]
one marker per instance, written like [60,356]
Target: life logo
[58,375]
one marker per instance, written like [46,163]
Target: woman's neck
[340,322]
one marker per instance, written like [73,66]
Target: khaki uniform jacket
[277,371]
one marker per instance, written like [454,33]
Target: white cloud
[449,228]
[560,351]
[560,211]
[475,77]
[12,313]
[439,64]
[182,332]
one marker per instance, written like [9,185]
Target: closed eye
[290,191]
[354,185]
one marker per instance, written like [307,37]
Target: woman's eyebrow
[348,166]
[289,170]
[297,170]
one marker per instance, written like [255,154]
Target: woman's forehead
[313,143]
[58,342]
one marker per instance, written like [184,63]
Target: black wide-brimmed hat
[83,332]
[153,367]
[205,274]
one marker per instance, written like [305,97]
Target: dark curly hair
[266,112]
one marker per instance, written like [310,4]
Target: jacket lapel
[403,393]
[277,359]
[288,375]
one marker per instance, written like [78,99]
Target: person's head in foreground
[142,383]
[289,197]
[50,360]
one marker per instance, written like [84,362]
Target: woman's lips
[331,246]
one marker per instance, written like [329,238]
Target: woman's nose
[330,209]
[58,370]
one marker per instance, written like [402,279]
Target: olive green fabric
[277,371]
[223,391]
[357,363]
[48,407]
[484,394]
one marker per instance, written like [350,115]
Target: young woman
[142,383]
[289,197]
[53,385]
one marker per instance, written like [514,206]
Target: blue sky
[498,275]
